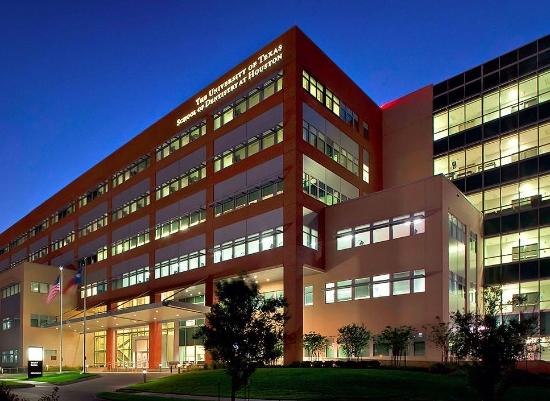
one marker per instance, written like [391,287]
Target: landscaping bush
[318,364]
[295,364]
[305,364]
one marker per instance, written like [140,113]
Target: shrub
[305,364]
[295,364]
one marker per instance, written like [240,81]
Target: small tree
[243,329]
[398,339]
[353,339]
[314,344]
[494,346]
[440,334]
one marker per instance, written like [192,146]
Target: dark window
[529,270]
[460,184]
[508,58]
[544,216]
[527,116]
[440,102]
[510,273]
[441,146]
[455,82]
[544,59]
[491,129]
[544,163]
[544,43]
[527,66]
[456,95]
[490,66]
[508,73]
[474,182]
[545,323]
[528,167]
[440,88]
[473,74]
[527,50]
[545,268]
[544,110]
[491,177]
[491,226]
[510,222]
[473,88]
[509,172]
[456,141]
[529,218]
[492,275]
[509,123]
[473,135]
[491,81]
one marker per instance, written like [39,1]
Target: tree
[314,344]
[398,339]
[440,335]
[353,339]
[494,346]
[243,329]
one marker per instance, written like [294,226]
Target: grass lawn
[9,383]
[133,397]
[333,384]
[56,377]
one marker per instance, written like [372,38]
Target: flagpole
[61,319]
[84,332]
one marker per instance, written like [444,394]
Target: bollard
[160,367]
[144,375]
[171,369]
[179,368]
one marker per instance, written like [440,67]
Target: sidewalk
[197,397]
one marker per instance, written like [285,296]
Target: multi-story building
[284,169]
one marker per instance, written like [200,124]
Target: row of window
[60,243]
[38,254]
[180,140]
[94,288]
[130,243]
[248,245]
[518,246]
[184,180]
[331,101]
[495,153]
[384,230]
[180,223]
[509,99]
[10,323]
[11,290]
[310,238]
[181,264]
[40,320]
[249,148]
[384,285]
[41,288]
[131,170]
[103,188]
[521,195]
[131,278]
[321,191]
[535,295]
[61,214]
[326,145]
[10,356]
[255,96]
[264,191]
[92,226]
[130,207]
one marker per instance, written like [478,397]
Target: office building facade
[284,169]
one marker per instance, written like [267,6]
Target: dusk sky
[80,78]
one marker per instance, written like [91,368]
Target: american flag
[54,290]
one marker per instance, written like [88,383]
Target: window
[10,323]
[248,148]
[308,295]
[93,194]
[183,263]
[180,140]
[195,174]
[180,223]
[329,293]
[95,225]
[40,320]
[130,278]
[310,238]
[343,291]
[401,283]
[326,145]
[10,290]
[128,172]
[131,207]
[255,96]
[330,100]
[253,243]
[381,286]
[344,239]
[130,243]
[362,288]
[63,213]
[419,281]
[41,288]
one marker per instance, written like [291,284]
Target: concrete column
[155,344]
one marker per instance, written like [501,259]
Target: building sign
[263,63]
[35,356]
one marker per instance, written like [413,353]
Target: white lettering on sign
[264,62]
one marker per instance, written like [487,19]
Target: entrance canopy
[141,315]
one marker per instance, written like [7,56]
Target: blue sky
[80,78]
